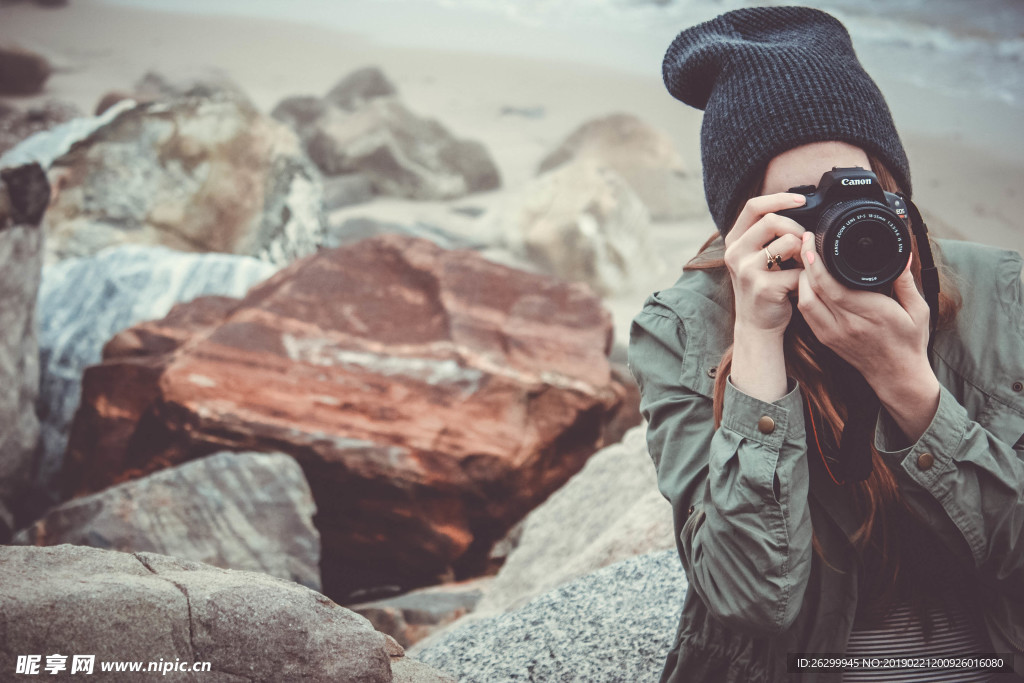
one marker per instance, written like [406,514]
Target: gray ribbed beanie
[770,79]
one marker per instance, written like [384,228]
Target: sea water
[972,50]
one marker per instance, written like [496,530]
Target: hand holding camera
[834,246]
[860,231]
[857,243]
[883,338]
[762,293]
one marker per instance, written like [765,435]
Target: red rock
[432,398]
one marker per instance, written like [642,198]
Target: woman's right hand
[763,308]
[762,295]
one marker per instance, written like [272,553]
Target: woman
[746,370]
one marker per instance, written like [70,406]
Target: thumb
[906,292]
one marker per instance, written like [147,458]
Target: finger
[757,207]
[825,286]
[786,247]
[909,297]
[815,312]
[787,281]
[768,228]
[754,269]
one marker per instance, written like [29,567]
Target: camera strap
[929,273]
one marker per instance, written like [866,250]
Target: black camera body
[860,230]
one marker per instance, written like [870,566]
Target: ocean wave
[973,50]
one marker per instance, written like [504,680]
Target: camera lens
[868,247]
[863,243]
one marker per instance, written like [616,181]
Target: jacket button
[766,425]
[1018,387]
[712,372]
[690,511]
[925,461]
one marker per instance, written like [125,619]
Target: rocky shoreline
[226,375]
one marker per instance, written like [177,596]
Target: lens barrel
[863,243]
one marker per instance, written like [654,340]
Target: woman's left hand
[885,339]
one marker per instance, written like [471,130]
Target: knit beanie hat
[770,79]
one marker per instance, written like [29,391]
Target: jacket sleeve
[969,487]
[965,474]
[738,494]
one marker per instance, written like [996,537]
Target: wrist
[758,363]
[906,384]
[748,333]
[911,399]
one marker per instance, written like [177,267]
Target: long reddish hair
[877,499]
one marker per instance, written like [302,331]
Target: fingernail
[798,198]
[810,257]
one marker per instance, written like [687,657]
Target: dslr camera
[860,230]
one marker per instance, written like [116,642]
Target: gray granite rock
[407,670]
[359,87]
[145,607]
[206,82]
[17,124]
[360,129]
[23,195]
[246,511]
[346,190]
[644,156]
[353,230]
[44,146]
[192,173]
[615,511]
[304,112]
[580,221]
[301,113]
[612,626]
[84,302]
[412,616]
[404,155]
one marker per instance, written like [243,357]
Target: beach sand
[966,159]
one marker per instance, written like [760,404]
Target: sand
[966,159]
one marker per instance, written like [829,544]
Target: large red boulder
[432,398]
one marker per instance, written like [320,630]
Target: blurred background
[521,75]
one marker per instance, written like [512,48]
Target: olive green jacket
[745,497]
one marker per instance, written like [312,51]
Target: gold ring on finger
[773,260]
